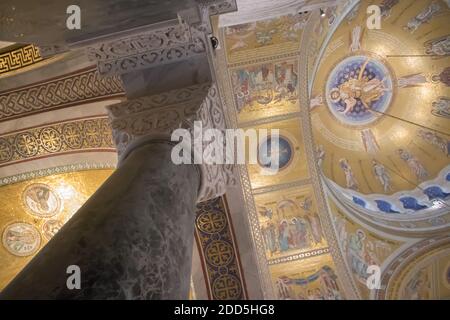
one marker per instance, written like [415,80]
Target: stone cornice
[160,44]
[164,45]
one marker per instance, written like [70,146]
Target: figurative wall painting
[310,279]
[289,222]
[266,36]
[266,89]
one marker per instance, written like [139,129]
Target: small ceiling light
[322,12]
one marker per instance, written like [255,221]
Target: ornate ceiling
[364,125]
[378,109]
[259,69]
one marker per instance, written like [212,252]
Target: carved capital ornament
[137,121]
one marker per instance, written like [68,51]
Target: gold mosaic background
[262,72]
[32,211]
[360,246]
[415,74]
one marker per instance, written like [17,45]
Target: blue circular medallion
[269,149]
[359,90]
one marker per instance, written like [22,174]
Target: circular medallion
[226,287]
[50,228]
[359,90]
[219,253]
[72,135]
[41,201]
[269,152]
[211,222]
[21,239]
[26,144]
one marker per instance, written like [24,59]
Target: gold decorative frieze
[78,135]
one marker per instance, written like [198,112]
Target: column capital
[135,122]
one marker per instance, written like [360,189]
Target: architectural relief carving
[176,41]
[208,8]
[150,48]
[218,6]
[153,117]
[81,87]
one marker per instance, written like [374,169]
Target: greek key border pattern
[219,253]
[19,58]
[83,134]
[79,88]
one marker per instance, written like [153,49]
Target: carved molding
[157,116]
[150,48]
[218,6]
[81,87]
[159,44]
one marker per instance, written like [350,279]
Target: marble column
[133,238]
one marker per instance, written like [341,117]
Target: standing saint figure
[316,227]
[381,174]
[439,47]
[269,234]
[414,164]
[320,155]
[356,254]
[283,235]
[349,177]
